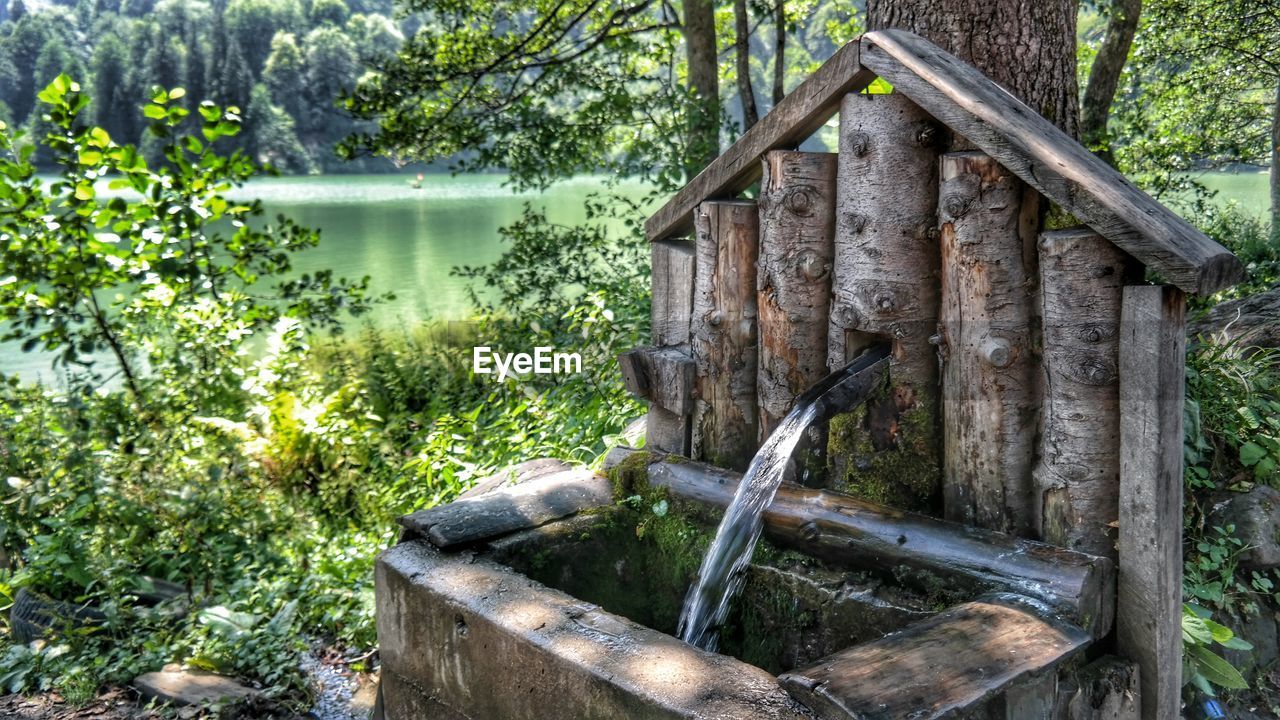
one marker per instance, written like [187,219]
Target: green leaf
[879,86]
[1251,453]
[155,112]
[1216,670]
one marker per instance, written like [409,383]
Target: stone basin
[540,602]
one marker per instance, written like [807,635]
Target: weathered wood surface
[885,287]
[516,475]
[799,114]
[1149,590]
[665,431]
[724,333]
[1106,689]
[1077,480]
[1248,322]
[663,376]
[797,217]
[954,662]
[1033,697]
[672,283]
[990,395]
[507,509]
[915,549]
[1050,161]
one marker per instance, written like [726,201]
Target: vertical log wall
[885,287]
[667,427]
[724,333]
[1077,480]
[990,393]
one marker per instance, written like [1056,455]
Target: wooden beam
[672,283]
[917,550]
[799,114]
[949,665]
[1149,589]
[1050,161]
[663,376]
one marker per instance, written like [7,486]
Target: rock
[1256,516]
[516,475]
[190,687]
[1258,630]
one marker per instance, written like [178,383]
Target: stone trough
[558,596]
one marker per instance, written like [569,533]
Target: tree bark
[724,333]
[1077,481]
[1028,47]
[779,51]
[1275,169]
[1104,77]
[989,380]
[797,222]
[885,287]
[1250,322]
[704,74]
[742,56]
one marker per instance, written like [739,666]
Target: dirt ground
[112,705]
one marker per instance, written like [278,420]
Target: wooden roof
[972,105]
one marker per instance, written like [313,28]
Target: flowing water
[724,567]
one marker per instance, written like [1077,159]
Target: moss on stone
[906,477]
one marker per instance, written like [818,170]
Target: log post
[990,394]
[797,217]
[1149,586]
[672,262]
[724,335]
[1077,480]
[885,287]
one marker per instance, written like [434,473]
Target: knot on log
[997,351]
[926,230]
[957,206]
[813,265]
[926,135]
[854,222]
[859,144]
[1096,371]
[1094,334]
[801,200]
[809,531]
[846,316]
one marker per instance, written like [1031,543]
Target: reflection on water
[405,239]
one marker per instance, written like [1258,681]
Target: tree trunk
[1027,47]
[1104,77]
[989,378]
[724,333]
[779,51]
[1077,482]
[1275,169]
[885,287]
[797,222]
[742,53]
[704,73]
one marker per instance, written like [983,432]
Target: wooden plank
[797,222]
[1149,589]
[664,376]
[724,333]
[1077,480]
[672,284]
[1050,161]
[1107,689]
[799,114]
[990,396]
[1032,698]
[505,510]
[667,432]
[917,550]
[954,662]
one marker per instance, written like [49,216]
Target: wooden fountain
[1025,452]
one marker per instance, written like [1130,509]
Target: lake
[407,239]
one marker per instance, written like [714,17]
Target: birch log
[724,335]
[797,216]
[672,263]
[1077,480]
[990,398]
[885,286]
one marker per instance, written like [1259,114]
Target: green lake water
[407,239]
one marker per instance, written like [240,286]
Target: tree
[742,63]
[704,82]
[285,73]
[254,22]
[1029,48]
[331,69]
[109,88]
[273,140]
[328,12]
[376,36]
[1104,75]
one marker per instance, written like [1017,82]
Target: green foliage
[1201,666]
[1232,416]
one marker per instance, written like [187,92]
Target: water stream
[724,567]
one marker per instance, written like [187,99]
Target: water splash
[724,566]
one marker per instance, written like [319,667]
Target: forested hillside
[283,63]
